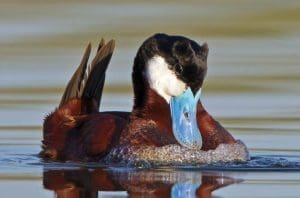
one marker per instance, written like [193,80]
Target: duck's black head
[168,65]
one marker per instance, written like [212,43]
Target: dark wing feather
[96,77]
[75,84]
[88,81]
[101,44]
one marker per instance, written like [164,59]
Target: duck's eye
[178,68]
[187,116]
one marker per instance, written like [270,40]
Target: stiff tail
[87,82]
[82,97]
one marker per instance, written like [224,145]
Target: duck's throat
[184,119]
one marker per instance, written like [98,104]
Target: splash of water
[176,155]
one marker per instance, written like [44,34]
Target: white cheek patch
[162,79]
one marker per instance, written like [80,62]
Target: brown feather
[88,80]
[75,84]
[96,77]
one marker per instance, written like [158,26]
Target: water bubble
[176,155]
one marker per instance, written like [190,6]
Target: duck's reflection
[137,183]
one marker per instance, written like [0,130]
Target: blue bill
[184,189]
[184,121]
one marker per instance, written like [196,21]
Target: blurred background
[252,85]
[253,78]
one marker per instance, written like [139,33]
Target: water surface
[252,88]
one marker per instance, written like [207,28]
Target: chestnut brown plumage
[77,131]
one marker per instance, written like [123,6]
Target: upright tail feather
[81,97]
[75,83]
[87,82]
[94,84]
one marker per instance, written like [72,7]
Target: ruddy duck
[142,183]
[168,73]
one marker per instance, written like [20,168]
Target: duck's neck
[155,108]
[212,132]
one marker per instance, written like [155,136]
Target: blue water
[24,158]
[252,88]
[21,163]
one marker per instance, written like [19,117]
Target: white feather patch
[162,79]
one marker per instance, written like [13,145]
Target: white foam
[177,155]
